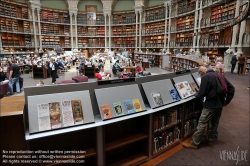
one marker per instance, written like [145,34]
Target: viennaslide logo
[234,155]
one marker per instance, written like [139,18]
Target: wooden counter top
[11,105]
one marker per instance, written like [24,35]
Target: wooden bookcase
[53,16]
[14,10]
[184,39]
[192,111]
[128,42]
[155,14]
[154,41]
[84,140]
[82,19]
[185,6]
[100,19]
[155,28]
[213,52]
[39,71]
[183,63]
[129,144]
[167,129]
[157,58]
[124,30]
[185,23]
[124,18]
[223,13]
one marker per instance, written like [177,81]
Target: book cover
[137,105]
[175,96]
[55,115]
[157,99]
[43,117]
[184,89]
[118,109]
[77,111]
[129,106]
[106,111]
[194,87]
[67,113]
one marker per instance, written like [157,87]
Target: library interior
[60,59]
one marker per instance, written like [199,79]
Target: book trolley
[130,138]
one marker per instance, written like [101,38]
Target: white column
[136,30]
[165,33]
[169,29]
[71,31]
[39,29]
[140,31]
[199,30]
[105,19]
[242,31]
[109,31]
[195,23]
[76,31]
[34,28]
[1,44]
[235,28]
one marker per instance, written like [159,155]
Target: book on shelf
[67,113]
[157,99]
[106,111]
[137,105]
[77,111]
[184,89]
[165,139]
[174,94]
[194,87]
[167,118]
[118,109]
[55,115]
[129,106]
[190,125]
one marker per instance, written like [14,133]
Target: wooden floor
[13,105]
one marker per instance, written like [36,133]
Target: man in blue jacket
[212,107]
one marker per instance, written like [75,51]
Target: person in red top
[139,71]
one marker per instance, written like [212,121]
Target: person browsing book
[212,106]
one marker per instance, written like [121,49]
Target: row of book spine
[190,125]
[166,118]
[165,139]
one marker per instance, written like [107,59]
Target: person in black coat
[233,63]
[52,69]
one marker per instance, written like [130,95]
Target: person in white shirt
[88,63]
[103,74]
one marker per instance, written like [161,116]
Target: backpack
[221,85]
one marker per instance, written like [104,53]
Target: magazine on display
[194,87]
[55,115]
[129,106]
[157,99]
[77,111]
[43,117]
[118,109]
[174,94]
[67,113]
[137,105]
[106,111]
[184,89]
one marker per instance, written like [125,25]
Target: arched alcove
[123,5]
[83,3]
[54,4]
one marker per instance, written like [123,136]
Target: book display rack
[182,63]
[157,58]
[53,16]
[13,10]
[184,39]
[185,23]
[124,140]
